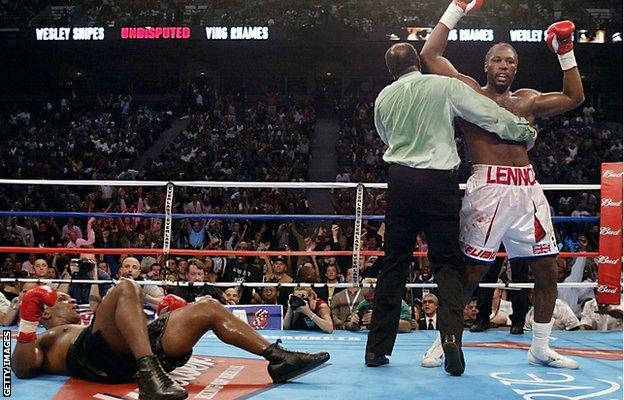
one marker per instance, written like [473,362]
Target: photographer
[9,310]
[363,314]
[580,269]
[306,312]
[85,267]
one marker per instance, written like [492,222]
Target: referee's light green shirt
[414,117]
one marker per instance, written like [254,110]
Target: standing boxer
[503,200]
[414,118]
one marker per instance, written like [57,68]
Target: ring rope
[253,185]
[292,285]
[241,253]
[250,217]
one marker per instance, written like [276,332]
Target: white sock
[541,334]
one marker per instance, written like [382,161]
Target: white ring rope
[255,185]
[292,285]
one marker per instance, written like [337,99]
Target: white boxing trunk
[505,204]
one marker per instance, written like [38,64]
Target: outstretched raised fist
[31,310]
[560,40]
[457,9]
[559,37]
[468,7]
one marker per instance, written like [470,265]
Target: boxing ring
[496,369]
[496,361]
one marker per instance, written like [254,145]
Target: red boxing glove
[33,302]
[559,37]
[169,303]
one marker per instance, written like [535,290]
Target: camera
[85,265]
[296,301]
[362,312]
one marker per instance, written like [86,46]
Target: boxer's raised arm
[559,38]
[432,53]
[28,356]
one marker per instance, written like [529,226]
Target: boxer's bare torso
[54,345]
[487,148]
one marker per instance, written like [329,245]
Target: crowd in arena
[303,15]
[235,138]
[323,308]
[231,138]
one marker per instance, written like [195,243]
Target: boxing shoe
[155,384]
[454,362]
[516,330]
[375,360]
[550,358]
[285,364]
[433,356]
[482,326]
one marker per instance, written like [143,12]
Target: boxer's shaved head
[497,46]
[402,58]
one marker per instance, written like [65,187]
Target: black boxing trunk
[90,356]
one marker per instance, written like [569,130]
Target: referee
[414,118]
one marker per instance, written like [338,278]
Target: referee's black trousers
[419,200]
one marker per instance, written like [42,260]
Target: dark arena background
[231,138]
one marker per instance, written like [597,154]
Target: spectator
[131,269]
[268,295]
[471,311]
[9,310]
[196,234]
[76,241]
[588,113]
[183,269]
[563,316]
[85,268]
[361,317]
[25,233]
[344,303]
[314,314]
[71,227]
[276,271]
[501,308]
[424,276]
[40,269]
[429,321]
[155,272]
[598,318]
[242,269]
[191,293]
[103,265]
[331,275]
[29,265]
[581,271]
[231,296]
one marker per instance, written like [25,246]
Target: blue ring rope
[250,217]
